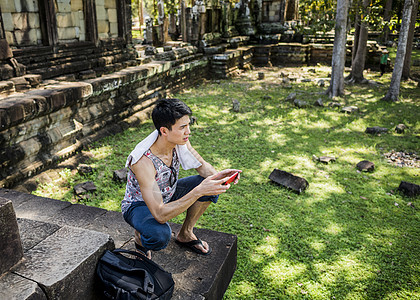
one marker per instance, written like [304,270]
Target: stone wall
[40,127]
[21,22]
[70,21]
[106,14]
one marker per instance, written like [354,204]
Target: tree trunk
[394,88]
[356,31]
[387,18]
[358,63]
[339,51]
[407,59]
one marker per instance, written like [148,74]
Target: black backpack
[120,277]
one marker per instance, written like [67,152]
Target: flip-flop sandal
[191,245]
[141,249]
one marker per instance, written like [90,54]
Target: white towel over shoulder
[186,158]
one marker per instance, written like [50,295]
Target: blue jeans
[154,235]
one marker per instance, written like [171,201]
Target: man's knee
[157,238]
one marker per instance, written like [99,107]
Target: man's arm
[145,173]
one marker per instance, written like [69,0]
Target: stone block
[33,232]
[199,275]
[113,223]
[27,5]
[409,189]
[11,251]
[13,286]
[66,33]
[288,180]
[33,19]
[101,14]
[26,37]
[8,6]
[33,79]
[75,18]
[366,166]
[376,130]
[64,20]
[113,29]
[103,26]
[112,15]
[34,207]
[120,175]
[20,21]
[76,5]
[64,263]
[8,21]
[63,6]
[110,3]
[10,38]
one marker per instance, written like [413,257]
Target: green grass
[350,235]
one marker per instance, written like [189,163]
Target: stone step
[195,276]
[60,260]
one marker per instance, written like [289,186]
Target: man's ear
[164,130]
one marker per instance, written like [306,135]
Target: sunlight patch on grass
[281,270]
[333,228]
[245,288]
[270,247]
[102,152]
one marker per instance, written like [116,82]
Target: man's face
[180,132]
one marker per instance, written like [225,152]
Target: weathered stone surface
[236,105]
[11,251]
[349,109]
[197,274]
[376,130]
[319,102]
[13,286]
[196,277]
[77,215]
[33,232]
[34,207]
[64,263]
[409,189]
[110,222]
[291,97]
[325,159]
[288,180]
[334,104]
[84,169]
[300,103]
[366,165]
[400,128]
[120,175]
[150,50]
[84,187]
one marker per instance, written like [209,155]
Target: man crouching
[154,193]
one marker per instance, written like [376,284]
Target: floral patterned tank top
[166,178]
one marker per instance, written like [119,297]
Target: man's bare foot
[139,247]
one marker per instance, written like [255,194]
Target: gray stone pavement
[52,230]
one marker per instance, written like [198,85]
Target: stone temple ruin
[71,73]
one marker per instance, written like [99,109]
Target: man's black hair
[168,111]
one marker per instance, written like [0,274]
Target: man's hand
[212,185]
[225,174]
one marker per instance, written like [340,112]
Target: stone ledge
[195,276]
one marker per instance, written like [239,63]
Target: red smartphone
[231,178]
